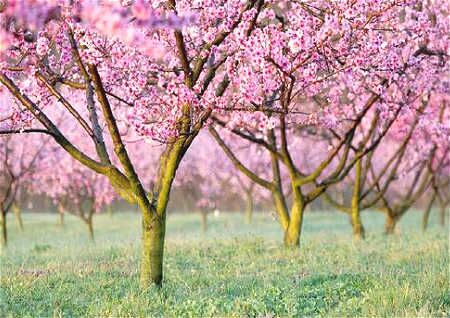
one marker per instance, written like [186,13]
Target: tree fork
[154,217]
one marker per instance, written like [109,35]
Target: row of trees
[208,181]
[301,98]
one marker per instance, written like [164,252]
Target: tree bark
[153,233]
[3,225]
[18,214]
[359,232]
[389,226]
[154,220]
[281,208]
[204,220]
[358,228]
[426,214]
[293,231]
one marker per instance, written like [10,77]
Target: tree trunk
[389,226]
[61,214]
[293,231]
[154,220]
[358,228]
[249,209]
[61,219]
[153,233]
[90,228]
[204,220]
[281,208]
[359,232]
[426,214]
[4,228]
[278,197]
[18,214]
[442,214]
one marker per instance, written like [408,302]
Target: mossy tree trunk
[18,214]
[359,231]
[293,231]
[153,234]
[154,220]
[278,196]
[358,228]
[3,225]
[281,208]
[124,179]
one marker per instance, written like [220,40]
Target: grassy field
[232,270]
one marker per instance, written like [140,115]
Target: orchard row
[281,101]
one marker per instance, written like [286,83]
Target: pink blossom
[42,46]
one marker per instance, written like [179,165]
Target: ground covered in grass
[233,269]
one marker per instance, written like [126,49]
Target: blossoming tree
[331,66]
[74,188]
[163,77]
[20,158]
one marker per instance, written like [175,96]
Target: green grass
[233,270]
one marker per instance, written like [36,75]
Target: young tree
[74,188]
[252,192]
[439,194]
[162,76]
[365,182]
[20,158]
[428,153]
[211,179]
[440,183]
